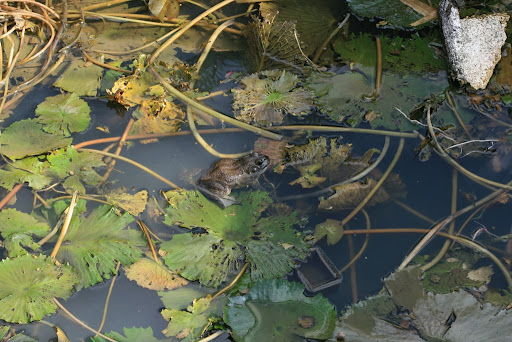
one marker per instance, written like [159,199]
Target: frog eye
[261,161]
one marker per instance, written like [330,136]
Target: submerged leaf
[94,244]
[393,12]
[348,196]
[63,114]
[26,138]
[268,96]
[130,335]
[211,257]
[164,9]
[17,229]
[154,276]
[273,44]
[80,77]
[276,310]
[28,285]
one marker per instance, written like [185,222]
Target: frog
[227,174]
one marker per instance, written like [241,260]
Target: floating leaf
[403,92]
[130,335]
[26,170]
[76,165]
[17,229]
[273,44]
[308,179]
[210,257]
[403,55]
[26,138]
[276,310]
[153,275]
[188,325]
[181,298]
[348,196]
[157,115]
[81,78]
[94,244]
[426,315]
[63,114]
[28,285]
[333,229]
[134,204]
[268,96]
[393,12]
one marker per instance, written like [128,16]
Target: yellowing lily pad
[26,138]
[154,276]
[28,285]
[134,204]
[63,114]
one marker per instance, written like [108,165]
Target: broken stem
[65,226]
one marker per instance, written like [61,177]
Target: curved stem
[327,128]
[377,186]
[363,247]
[178,34]
[175,92]
[134,163]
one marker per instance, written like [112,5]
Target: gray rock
[473,44]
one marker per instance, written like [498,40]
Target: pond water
[428,183]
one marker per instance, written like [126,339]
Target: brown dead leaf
[154,276]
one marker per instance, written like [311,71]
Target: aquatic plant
[270,95]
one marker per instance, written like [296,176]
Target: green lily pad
[130,335]
[393,11]
[402,92]
[63,114]
[188,325]
[333,229]
[404,55]
[277,310]
[94,244]
[28,285]
[235,234]
[74,167]
[17,229]
[26,138]
[81,78]
[26,170]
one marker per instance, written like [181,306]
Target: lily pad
[18,229]
[153,275]
[333,229]
[63,114]
[393,12]
[188,325]
[130,335]
[235,234]
[26,138]
[134,204]
[94,244]
[26,170]
[81,78]
[28,285]
[69,163]
[403,92]
[277,310]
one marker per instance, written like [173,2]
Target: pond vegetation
[96,94]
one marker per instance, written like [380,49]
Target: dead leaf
[154,276]
[348,196]
[134,204]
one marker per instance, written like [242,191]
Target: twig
[451,228]
[175,92]
[140,166]
[145,230]
[107,300]
[178,34]
[74,318]
[377,185]
[233,282]
[104,65]
[378,79]
[10,195]
[327,128]
[456,113]
[65,226]
[321,48]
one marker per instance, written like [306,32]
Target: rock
[473,43]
